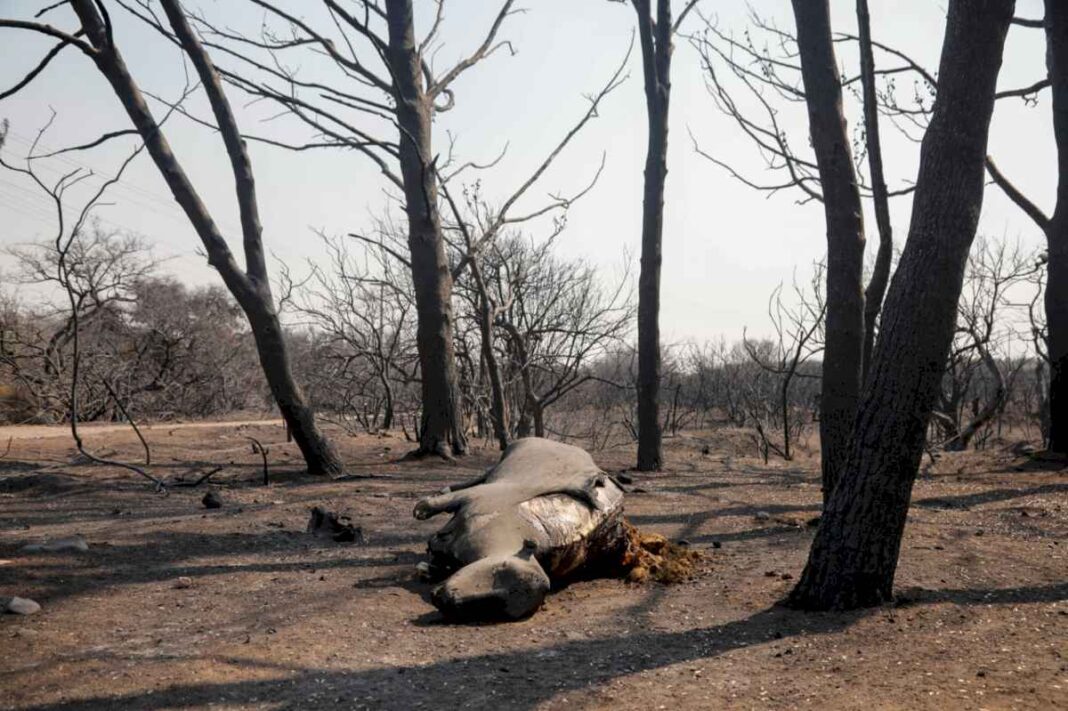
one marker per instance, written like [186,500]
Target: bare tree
[402,94]
[362,312]
[880,275]
[1054,227]
[854,555]
[799,337]
[802,69]
[981,370]
[655,34]
[558,321]
[844,328]
[66,264]
[251,285]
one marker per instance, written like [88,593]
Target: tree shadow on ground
[488,680]
[966,501]
[166,556]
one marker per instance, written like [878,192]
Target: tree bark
[656,48]
[880,276]
[854,555]
[844,329]
[251,287]
[485,325]
[1057,231]
[442,430]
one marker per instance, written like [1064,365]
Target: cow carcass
[544,514]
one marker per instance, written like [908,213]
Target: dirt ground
[271,618]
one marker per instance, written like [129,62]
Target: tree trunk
[1057,231]
[485,327]
[538,410]
[251,287]
[844,328]
[880,276]
[442,430]
[656,66]
[854,555]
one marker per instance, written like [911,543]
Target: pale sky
[726,247]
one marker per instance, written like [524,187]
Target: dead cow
[543,514]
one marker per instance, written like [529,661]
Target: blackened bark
[251,287]
[854,555]
[880,276]
[489,356]
[442,430]
[655,37]
[844,330]
[1057,231]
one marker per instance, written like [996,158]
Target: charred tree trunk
[1057,231]
[442,430]
[531,412]
[854,555]
[656,47]
[844,339]
[880,276]
[250,287]
[493,370]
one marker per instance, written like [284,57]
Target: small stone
[717,544]
[211,500]
[979,532]
[72,544]
[706,450]
[762,516]
[21,606]
[183,582]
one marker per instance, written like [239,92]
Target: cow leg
[442,503]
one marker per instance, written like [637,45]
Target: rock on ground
[21,606]
[73,544]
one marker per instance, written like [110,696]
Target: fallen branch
[198,482]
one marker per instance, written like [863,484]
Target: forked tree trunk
[251,287]
[854,555]
[844,329]
[441,431]
[880,275]
[656,48]
[1057,230]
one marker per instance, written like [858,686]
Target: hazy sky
[725,246]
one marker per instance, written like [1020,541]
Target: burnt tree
[844,330]
[854,556]
[251,285]
[655,35]
[442,430]
[378,79]
[880,275]
[1054,227]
